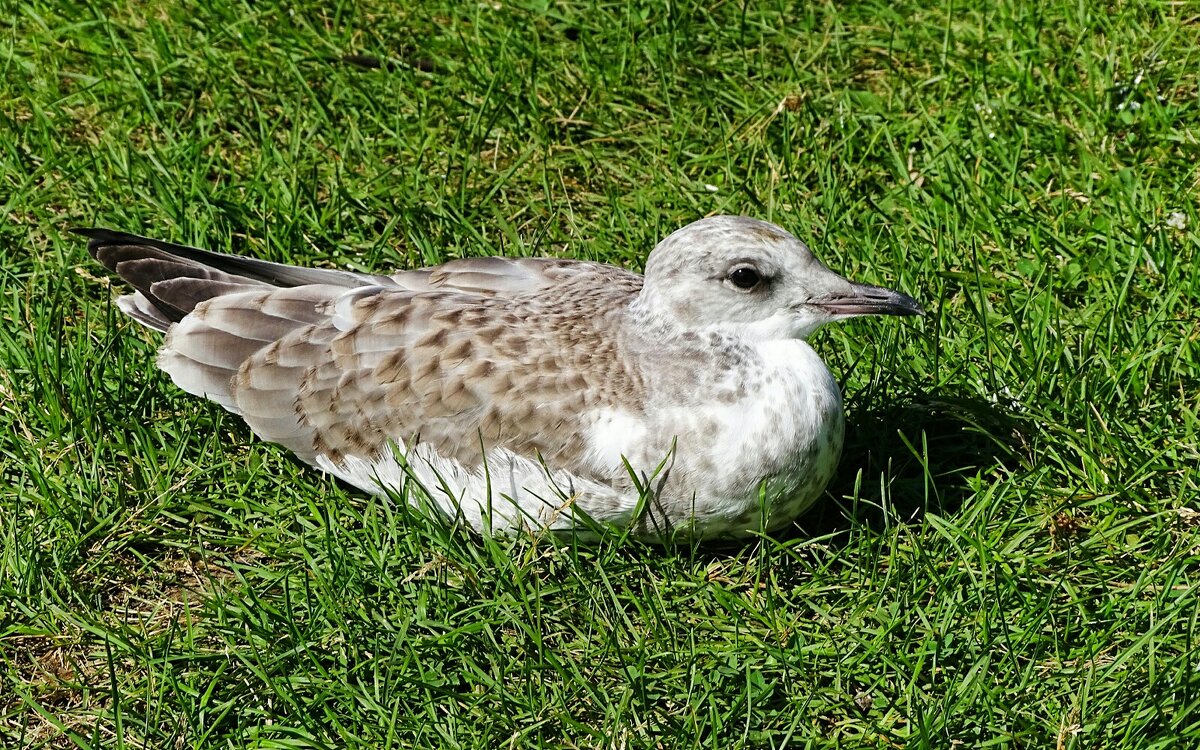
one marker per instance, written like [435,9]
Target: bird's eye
[745,278]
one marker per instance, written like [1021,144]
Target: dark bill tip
[865,299]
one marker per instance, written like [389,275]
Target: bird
[529,395]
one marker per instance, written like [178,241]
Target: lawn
[1008,557]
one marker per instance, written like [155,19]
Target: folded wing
[333,363]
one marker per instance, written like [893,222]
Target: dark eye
[745,278]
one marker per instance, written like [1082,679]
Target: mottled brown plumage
[441,365]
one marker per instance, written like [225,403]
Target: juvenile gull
[529,393]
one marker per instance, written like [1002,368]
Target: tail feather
[141,309]
[204,352]
[217,310]
[198,379]
[212,346]
[176,288]
[186,292]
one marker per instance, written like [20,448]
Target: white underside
[508,493]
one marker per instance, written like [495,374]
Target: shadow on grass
[902,460]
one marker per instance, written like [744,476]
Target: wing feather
[460,359]
[491,276]
[444,366]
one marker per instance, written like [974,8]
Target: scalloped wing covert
[431,367]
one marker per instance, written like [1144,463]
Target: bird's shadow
[903,459]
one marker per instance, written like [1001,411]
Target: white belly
[508,493]
[780,444]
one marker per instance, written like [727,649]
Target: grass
[1008,556]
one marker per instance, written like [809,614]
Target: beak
[864,299]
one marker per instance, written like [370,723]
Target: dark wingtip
[275,274]
[92,233]
[98,237]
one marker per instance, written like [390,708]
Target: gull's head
[741,273]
